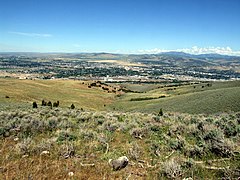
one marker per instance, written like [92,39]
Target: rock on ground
[119,163]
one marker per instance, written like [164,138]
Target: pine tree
[49,104]
[35,105]
[72,106]
[160,112]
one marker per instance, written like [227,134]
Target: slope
[221,97]
[24,92]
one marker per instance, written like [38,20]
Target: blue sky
[122,26]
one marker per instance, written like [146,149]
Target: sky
[120,26]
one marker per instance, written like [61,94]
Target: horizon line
[105,52]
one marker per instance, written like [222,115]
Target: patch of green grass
[220,97]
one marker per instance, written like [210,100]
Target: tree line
[50,104]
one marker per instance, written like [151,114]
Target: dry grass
[65,91]
[120,62]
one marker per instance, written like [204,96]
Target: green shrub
[2,131]
[23,148]
[222,148]
[110,126]
[88,135]
[157,118]
[213,135]
[172,169]
[176,144]
[67,150]
[134,151]
[195,152]
[230,129]
[139,132]
[52,123]
[66,136]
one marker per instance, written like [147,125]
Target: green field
[217,97]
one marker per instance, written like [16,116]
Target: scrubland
[62,143]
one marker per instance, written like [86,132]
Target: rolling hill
[23,92]
[218,97]
[64,143]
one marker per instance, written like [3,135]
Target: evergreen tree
[56,104]
[160,112]
[35,105]
[49,104]
[44,103]
[72,106]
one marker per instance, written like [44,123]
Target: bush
[67,150]
[176,144]
[66,136]
[222,148]
[44,145]
[155,148]
[195,151]
[134,151]
[139,132]
[230,129]
[157,118]
[213,135]
[23,148]
[172,169]
[88,135]
[52,123]
[110,126]
[32,126]
[4,131]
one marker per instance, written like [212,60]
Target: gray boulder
[119,163]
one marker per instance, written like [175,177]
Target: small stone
[16,139]
[70,174]
[188,178]
[25,156]
[45,153]
[119,163]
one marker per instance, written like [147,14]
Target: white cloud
[77,45]
[30,34]
[195,50]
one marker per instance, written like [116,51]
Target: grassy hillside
[63,143]
[22,93]
[201,98]
[72,144]
[191,98]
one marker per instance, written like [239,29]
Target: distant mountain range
[206,56]
[170,53]
[171,56]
